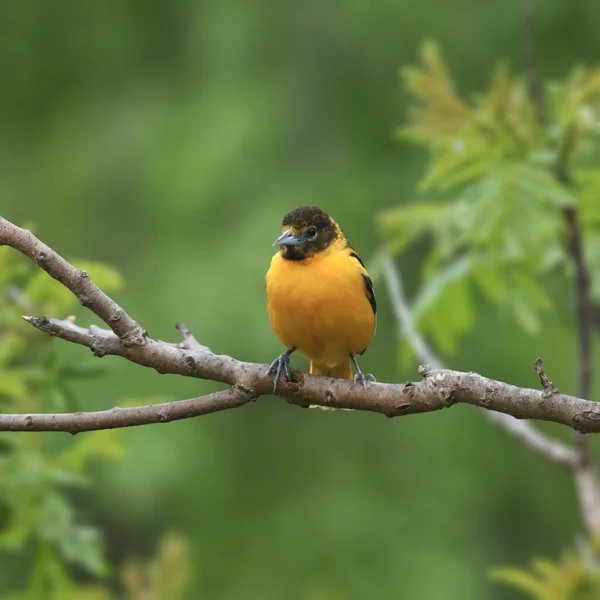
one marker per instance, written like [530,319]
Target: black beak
[287,238]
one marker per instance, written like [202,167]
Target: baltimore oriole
[320,298]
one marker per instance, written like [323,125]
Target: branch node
[398,409]
[116,316]
[190,363]
[189,341]
[586,421]
[97,348]
[245,389]
[425,370]
[329,397]
[449,396]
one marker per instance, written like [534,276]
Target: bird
[320,298]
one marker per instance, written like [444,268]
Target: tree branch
[540,443]
[129,417]
[440,388]
[75,280]
[586,477]
[536,92]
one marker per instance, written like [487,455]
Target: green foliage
[570,578]
[164,578]
[495,219]
[36,474]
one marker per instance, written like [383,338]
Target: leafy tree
[494,205]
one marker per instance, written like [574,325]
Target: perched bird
[320,298]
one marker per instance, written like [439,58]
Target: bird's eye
[311,232]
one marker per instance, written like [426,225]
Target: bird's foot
[361,377]
[281,363]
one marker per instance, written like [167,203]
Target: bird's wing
[370,292]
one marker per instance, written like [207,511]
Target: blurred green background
[168,139]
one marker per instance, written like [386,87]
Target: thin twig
[542,444]
[404,320]
[189,341]
[548,386]
[534,84]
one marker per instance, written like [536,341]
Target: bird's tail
[344,371]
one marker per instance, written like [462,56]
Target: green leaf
[94,444]
[53,298]
[77,544]
[444,308]
[525,315]
[404,225]
[520,580]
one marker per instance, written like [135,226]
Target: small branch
[533,81]
[75,280]
[583,303]
[118,417]
[548,386]
[440,388]
[189,341]
[541,444]
[534,439]
[404,319]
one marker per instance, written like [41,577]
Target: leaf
[525,315]
[570,578]
[166,577]
[77,544]
[443,308]
[520,580]
[404,225]
[94,444]
[80,545]
[51,297]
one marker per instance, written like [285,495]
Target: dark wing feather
[369,291]
[368,284]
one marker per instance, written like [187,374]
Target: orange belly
[319,305]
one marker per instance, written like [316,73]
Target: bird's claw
[281,363]
[363,378]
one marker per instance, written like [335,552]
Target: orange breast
[319,305]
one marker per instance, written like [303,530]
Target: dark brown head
[307,231]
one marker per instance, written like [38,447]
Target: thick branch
[440,388]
